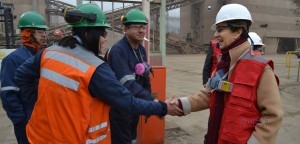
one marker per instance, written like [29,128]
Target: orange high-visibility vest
[241,113]
[65,112]
[216,55]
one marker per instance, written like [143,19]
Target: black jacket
[207,65]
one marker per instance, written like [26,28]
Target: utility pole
[146,10]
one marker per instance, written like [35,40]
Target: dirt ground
[184,77]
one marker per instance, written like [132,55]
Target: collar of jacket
[236,52]
[128,43]
[30,50]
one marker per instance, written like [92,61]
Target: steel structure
[54,7]
[7,18]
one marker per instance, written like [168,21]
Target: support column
[162,31]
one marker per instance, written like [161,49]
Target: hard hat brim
[213,27]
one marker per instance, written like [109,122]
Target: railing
[288,61]
[298,71]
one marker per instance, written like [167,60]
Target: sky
[107,6]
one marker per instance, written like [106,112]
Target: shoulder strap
[107,55]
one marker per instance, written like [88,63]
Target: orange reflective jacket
[65,112]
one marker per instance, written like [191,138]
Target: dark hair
[256,47]
[234,25]
[88,35]
[132,23]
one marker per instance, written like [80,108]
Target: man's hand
[173,107]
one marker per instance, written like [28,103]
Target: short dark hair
[256,47]
[234,25]
[128,24]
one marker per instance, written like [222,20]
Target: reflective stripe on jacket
[65,111]
[241,113]
[216,55]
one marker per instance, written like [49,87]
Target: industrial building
[276,21]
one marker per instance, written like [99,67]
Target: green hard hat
[32,19]
[134,16]
[87,11]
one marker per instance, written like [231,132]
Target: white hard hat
[232,12]
[255,38]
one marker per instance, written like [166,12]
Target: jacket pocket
[238,126]
[230,138]
[241,95]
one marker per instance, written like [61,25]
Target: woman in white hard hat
[243,95]
[255,40]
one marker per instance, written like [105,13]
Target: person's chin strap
[78,39]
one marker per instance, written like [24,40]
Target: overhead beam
[127,1]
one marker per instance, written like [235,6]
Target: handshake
[174,106]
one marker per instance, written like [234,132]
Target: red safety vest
[216,55]
[241,113]
[65,112]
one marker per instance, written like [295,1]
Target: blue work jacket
[11,94]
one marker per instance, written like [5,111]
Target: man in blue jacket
[33,33]
[128,60]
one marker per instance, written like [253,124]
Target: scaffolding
[7,18]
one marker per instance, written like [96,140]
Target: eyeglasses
[40,31]
[104,34]
[138,26]
[219,29]
[73,16]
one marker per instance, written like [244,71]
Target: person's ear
[239,33]
[85,34]
[125,29]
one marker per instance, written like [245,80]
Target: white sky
[107,6]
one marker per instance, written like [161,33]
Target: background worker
[243,96]
[76,87]
[57,35]
[125,58]
[33,34]
[211,60]
[257,42]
